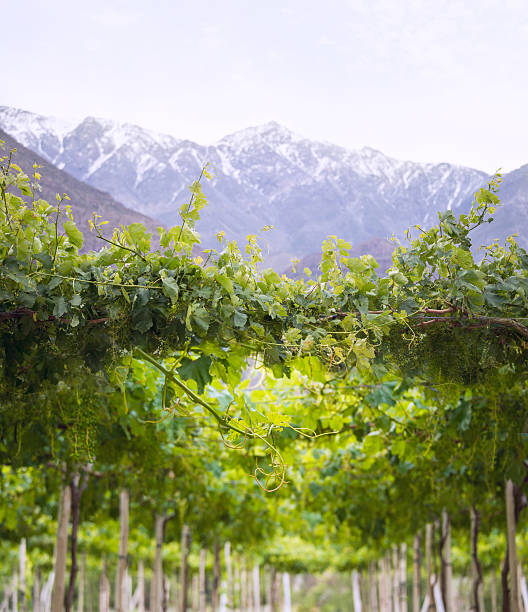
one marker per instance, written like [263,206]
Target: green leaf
[225,282]
[373,443]
[142,320]
[239,318]
[59,307]
[139,235]
[170,288]
[74,235]
[398,277]
[292,335]
[27,299]
[258,329]
[494,299]
[197,318]
[462,258]
[197,370]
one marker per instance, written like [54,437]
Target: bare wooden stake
[417,556]
[82,580]
[61,549]
[141,588]
[157,575]
[15,591]
[22,574]
[216,575]
[36,591]
[184,567]
[395,575]
[447,566]
[249,586]
[229,575]
[493,591]
[402,592]
[123,549]
[512,549]
[243,583]
[356,592]
[104,591]
[286,593]
[256,587]
[476,567]
[202,580]
[429,564]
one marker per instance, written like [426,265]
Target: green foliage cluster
[178,375]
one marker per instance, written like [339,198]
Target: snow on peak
[271,133]
[121,133]
[23,125]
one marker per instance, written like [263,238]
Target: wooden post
[249,586]
[403,578]
[202,580]
[184,567]
[286,592]
[45,594]
[256,587]
[229,575]
[127,597]
[519,583]
[104,591]
[274,596]
[447,566]
[216,575]
[90,598]
[381,581]
[356,592]
[385,584]
[157,576]
[36,591]
[438,600]
[493,591]
[14,597]
[82,579]
[243,583]
[195,596]
[429,563]
[165,592]
[76,489]
[395,579]
[268,587]
[417,555]
[123,549]
[22,574]
[61,549]
[512,549]
[141,587]
[373,587]
[476,567]
[523,588]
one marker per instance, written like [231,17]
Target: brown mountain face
[84,200]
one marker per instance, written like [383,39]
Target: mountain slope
[85,199]
[264,175]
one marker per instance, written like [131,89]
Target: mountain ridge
[84,199]
[263,175]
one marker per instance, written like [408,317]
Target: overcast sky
[442,80]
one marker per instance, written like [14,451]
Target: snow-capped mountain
[84,199]
[263,175]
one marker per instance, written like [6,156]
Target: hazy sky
[442,80]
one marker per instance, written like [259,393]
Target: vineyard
[181,429]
